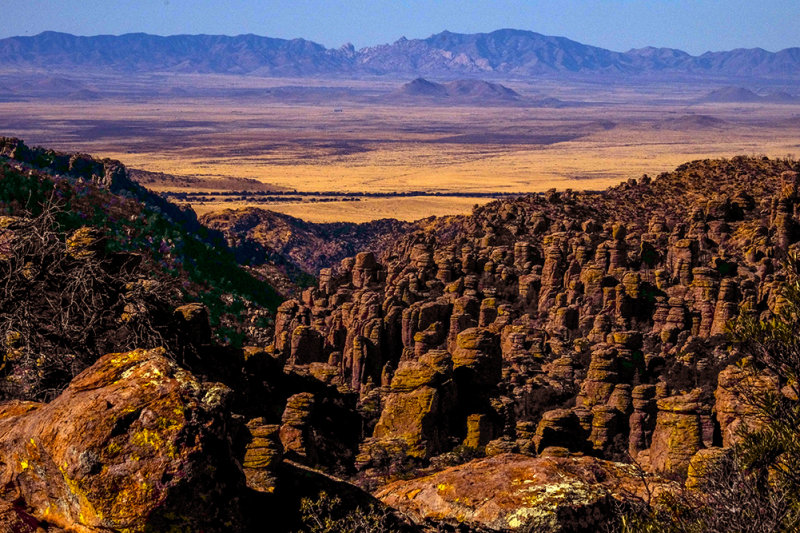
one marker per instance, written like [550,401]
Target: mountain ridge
[505,52]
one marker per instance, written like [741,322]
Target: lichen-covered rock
[306,346]
[677,435]
[559,427]
[85,242]
[263,455]
[478,357]
[417,410]
[643,419]
[295,431]
[192,321]
[479,431]
[733,410]
[510,492]
[704,464]
[133,444]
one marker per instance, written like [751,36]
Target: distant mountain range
[502,53]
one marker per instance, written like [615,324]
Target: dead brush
[62,304]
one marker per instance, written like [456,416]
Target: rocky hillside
[552,325]
[742,95]
[93,263]
[535,366]
[258,233]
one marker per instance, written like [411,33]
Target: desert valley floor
[286,143]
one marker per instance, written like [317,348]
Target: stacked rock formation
[587,323]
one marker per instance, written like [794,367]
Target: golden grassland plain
[365,210]
[382,147]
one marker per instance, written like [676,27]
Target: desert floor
[368,144]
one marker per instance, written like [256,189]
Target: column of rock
[446,261]
[609,432]
[418,408]
[262,456]
[704,292]
[643,419]
[733,411]
[559,428]
[477,369]
[726,307]
[782,211]
[552,273]
[601,378]
[295,431]
[464,315]
[289,316]
[681,256]
[617,250]
[677,435]
[306,346]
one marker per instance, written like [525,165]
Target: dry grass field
[365,210]
[368,144]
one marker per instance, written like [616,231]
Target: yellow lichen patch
[12,338]
[514,521]
[122,358]
[23,464]
[85,506]
[167,424]
[153,375]
[147,437]
[113,448]
[413,494]
[154,440]
[83,242]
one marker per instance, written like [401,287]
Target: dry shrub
[61,304]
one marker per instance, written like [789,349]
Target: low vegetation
[87,271]
[328,514]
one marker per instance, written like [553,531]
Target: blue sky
[692,25]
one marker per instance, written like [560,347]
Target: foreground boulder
[510,492]
[134,443]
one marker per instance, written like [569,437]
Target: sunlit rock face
[511,492]
[134,443]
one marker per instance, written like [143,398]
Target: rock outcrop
[677,435]
[134,443]
[511,492]
[417,411]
